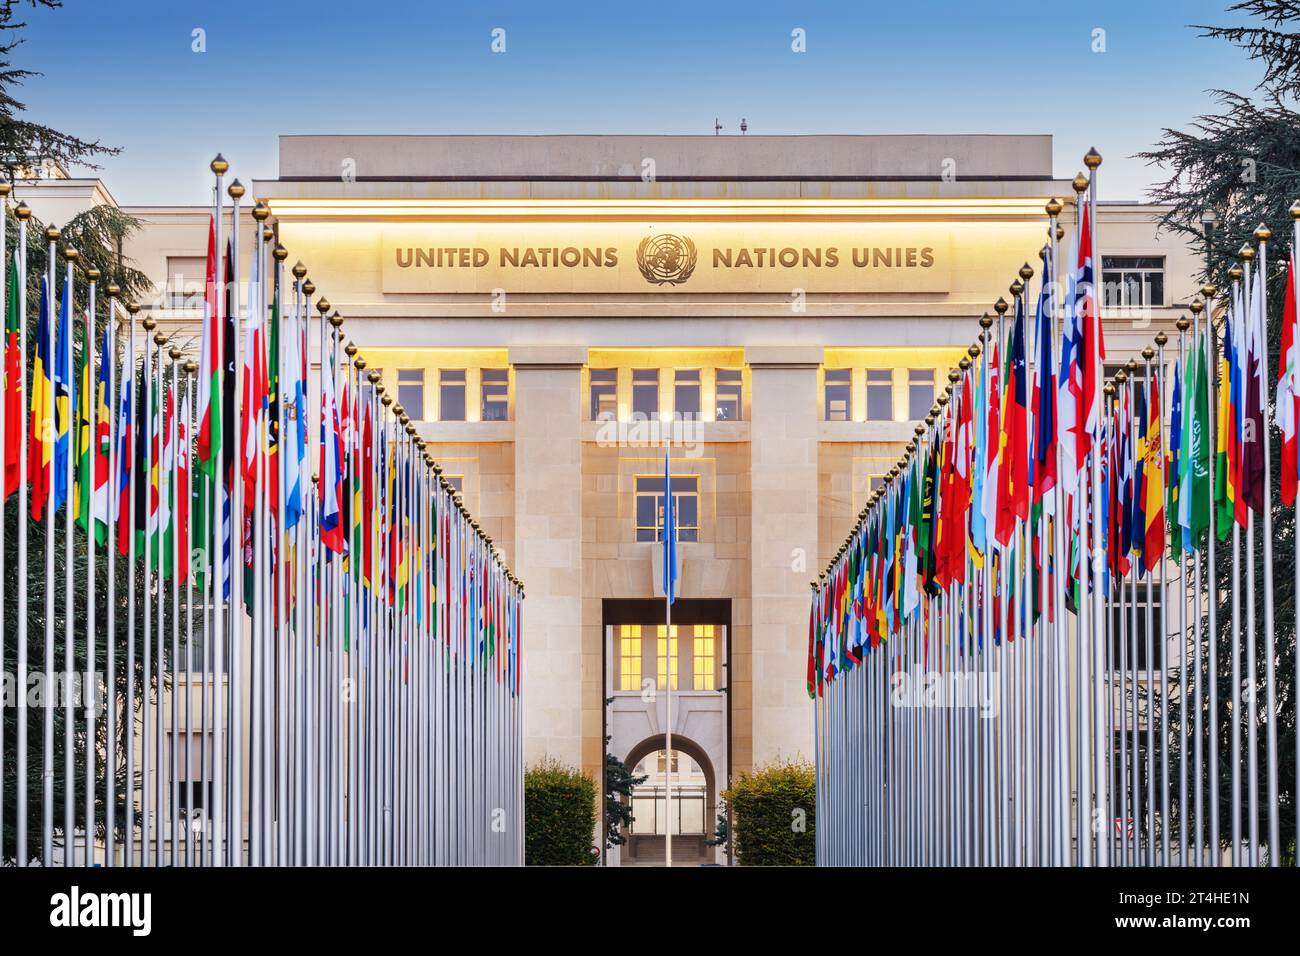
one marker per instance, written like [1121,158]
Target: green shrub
[773,817]
[559,815]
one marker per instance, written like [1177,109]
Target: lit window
[650,507]
[686,393]
[839,394]
[645,393]
[495,394]
[662,757]
[920,392]
[880,395]
[629,657]
[451,395]
[604,394]
[410,392]
[703,657]
[1132,281]
[727,395]
[457,482]
[665,654]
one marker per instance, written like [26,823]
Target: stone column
[548,545]
[784,414]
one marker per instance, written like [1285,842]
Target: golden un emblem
[666,259]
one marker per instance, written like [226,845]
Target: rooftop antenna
[717,127]
[743,126]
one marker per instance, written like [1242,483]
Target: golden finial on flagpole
[1121,376]
[235,189]
[1092,158]
[1161,339]
[1148,353]
[174,353]
[986,321]
[149,324]
[1235,273]
[1197,306]
[323,305]
[92,274]
[1263,233]
[70,253]
[112,290]
[1109,388]
[1080,185]
[280,253]
[260,211]
[1183,323]
[1027,271]
[1245,253]
[52,233]
[360,363]
[1054,206]
[299,270]
[159,339]
[964,364]
[23,211]
[219,165]
[1209,290]
[308,288]
[1000,307]
[336,320]
[1015,288]
[190,367]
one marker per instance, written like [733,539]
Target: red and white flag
[1288,389]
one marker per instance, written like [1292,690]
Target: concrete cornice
[784,356]
[548,356]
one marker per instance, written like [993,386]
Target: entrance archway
[694,791]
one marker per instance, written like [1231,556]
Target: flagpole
[1235,274]
[89,686]
[69,666]
[1291,266]
[237,626]
[670,530]
[9,387]
[189,368]
[1247,255]
[47,477]
[1163,635]
[1181,733]
[1212,581]
[110,550]
[1262,235]
[23,214]
[177,543]
[160,806]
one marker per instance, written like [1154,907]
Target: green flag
[1199,457]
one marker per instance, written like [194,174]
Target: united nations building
[557,312]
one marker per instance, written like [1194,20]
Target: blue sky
[124,72]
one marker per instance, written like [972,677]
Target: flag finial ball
[1235,273]
[1197,306]
[299,270]
[70,253]
[113,290]
[260,211]
[190,367]
[149,324]
[133,307]
[360,363]
[1245,253]
[92,274]
[1080,184]
[350,350]
[1208,290]
[1263,233]
[323,305]
[219,165]
[1295,210]
[1133,366]
[1148,353]
[23,211]
[398,410]
[1092,158]
[1183,323]
[159,339]
[1027,271]
[336,320]
[1042,254]
[308,288]
[1109,388]
[964,364]
[235,189]
[373,377]
[1000,306]
[5,189]
[986,322]
[1121,376]
[1053,206]
[280,253]
[1161,339]
[52,233]
[174,353]
[1016,288]
[953,376]
[974,351]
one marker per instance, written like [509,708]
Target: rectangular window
[604,394]
[494,389]
[686,393]
[1132,281]
[650,507]
[666,655]
[457,482]
[920,392]
[703,657]
[880,395]
[645,393]
[410,392]
[451,395]
[727,395]
[839,394]
[1158,618]
[629,657]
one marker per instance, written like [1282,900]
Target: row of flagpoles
[1013,656]
[296,645]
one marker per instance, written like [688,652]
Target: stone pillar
[783,448]
[548,545]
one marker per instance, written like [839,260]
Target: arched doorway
[694,797]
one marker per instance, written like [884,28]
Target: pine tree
[1242,164]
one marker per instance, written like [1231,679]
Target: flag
[1093,347]
[82,489]
[1288,390]
[210,366]
[670,537]
[166,479]
[64,400]
[13,385]
[1138,503]
[182,504]
[1013,475]
[1153,472]
[1255,398]
[40,434]
[1223,491]
[102,445]
[1044,397]
[125,419]
[1173,466]
[331,474]
[1198,495]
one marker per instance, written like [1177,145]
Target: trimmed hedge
[559,815]
[773,817]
